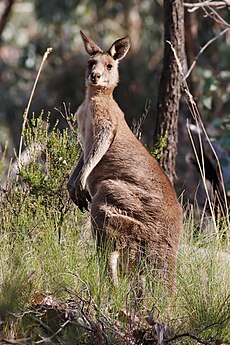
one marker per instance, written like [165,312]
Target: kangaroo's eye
[109,66]
[91,63]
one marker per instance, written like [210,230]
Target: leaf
[224,162]
[207,102]
[225,142]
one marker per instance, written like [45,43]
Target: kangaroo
[134,207]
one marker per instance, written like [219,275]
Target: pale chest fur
[85,121]
[92,117]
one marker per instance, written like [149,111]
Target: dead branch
[45,56]
[137,124]
[14,341]
[199,339]
[67,116]
[213,14]
[196,115]
[47,328]
[44,340]
[192,336]
[203,49]
[195,5]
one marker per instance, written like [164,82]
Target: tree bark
[170,84]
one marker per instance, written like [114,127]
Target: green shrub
[53,283]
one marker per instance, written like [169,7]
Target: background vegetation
[32,26]
[53,288]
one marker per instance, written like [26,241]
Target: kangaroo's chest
[85,120]
[94,118]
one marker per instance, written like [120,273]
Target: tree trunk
[133,24]
[5,14]
[191,46]
[170,84]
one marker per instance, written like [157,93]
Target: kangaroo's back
[133,204]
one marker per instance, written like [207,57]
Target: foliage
[35,25]
[55,288]
[222,135]
[223,127]
[159,147]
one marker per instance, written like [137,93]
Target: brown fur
[134,206]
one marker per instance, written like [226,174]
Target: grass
[54,289]
[204,287]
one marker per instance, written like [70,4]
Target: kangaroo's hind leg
[114,231]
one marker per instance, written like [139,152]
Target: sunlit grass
[47,250]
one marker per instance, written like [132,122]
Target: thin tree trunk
[170,84]
[191,45]
[133,24]
[5,14]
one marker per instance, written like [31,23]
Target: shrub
[55,288]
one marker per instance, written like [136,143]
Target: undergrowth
[54,288]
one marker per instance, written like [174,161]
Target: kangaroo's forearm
[101,144]
[75,173]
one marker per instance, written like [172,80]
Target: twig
[197,338]
[189,335]
[105,323]
[48,329]
[203,49]
[217,323]
[215,16]
[196,115]
[176,58]
[67,117]
[193,6]
[202,171]
[45,56]
[208,8]
[18,341]
[27,312]
[137,125]
[218,166]
[53,335]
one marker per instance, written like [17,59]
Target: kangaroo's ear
[119,48]
[90,46]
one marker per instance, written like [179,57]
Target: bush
[55,289]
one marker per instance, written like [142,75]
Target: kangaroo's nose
[95,76]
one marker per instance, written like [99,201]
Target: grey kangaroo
[133,205]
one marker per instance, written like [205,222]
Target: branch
[203,49]
[137,125]
[196,115]
[45,56]
[47,328]
[190,335]
[198,339]
[54,335]
[215,16]
[16,341]
[68,117]
[195,5]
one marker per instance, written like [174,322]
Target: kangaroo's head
[102,69]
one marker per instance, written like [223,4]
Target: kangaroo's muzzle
[94,77]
